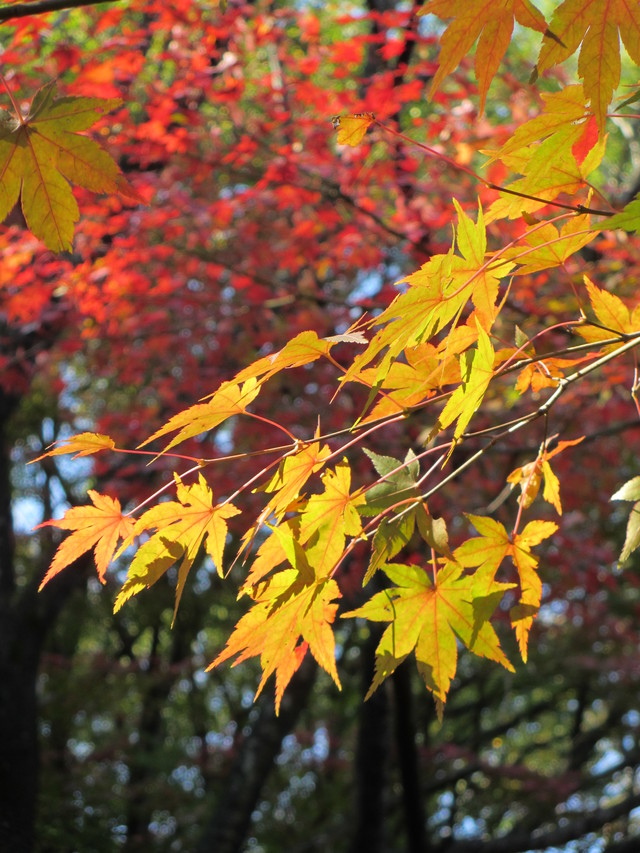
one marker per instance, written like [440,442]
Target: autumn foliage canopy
[415,395]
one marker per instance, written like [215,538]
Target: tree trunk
[414,816]
[25,618]
[372,754]
[18,736]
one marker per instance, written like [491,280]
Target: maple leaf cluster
[444,354]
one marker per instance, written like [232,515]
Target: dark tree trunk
[405,736]
[372,753]
[25,618]
[18,741]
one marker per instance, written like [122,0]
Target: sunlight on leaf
[352,128]
[100,527]
[42,152]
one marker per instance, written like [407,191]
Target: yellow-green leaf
[630,491]
[597,25]
[293,472]
[42,152]
[180,527]
[429,617]
[329,518]
[477,371]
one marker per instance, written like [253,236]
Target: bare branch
[41,7]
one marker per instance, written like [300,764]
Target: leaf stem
[578,208]
[271,423]
[13,100]
[162,489]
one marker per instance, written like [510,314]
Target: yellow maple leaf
[609,308]
[352,128]
[83,444]
[303,349]
[436,294]
[293,472]
[544,245]
[329,518]
[489,550]
[549,168]
[100,527]
[230,399]
[612,314]
[476,369]
[42,151]
[271,553]
[597,25]
[181,527]
[563,113]
[486,20]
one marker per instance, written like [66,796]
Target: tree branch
[227,829]
[41,7]
[578,826]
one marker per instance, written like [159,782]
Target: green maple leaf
[430,618]
[399,482]
[42,152]
[629,217]
[630,492]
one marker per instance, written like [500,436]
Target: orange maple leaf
[545,373]
[490,21]
[287,609]
[530,477]
[100,527]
